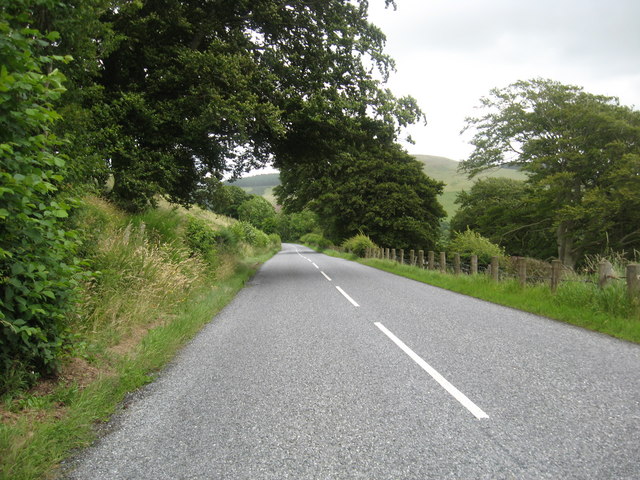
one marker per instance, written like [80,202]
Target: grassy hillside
[438,168]
[259,184]
[446,170]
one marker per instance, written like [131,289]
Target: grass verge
[579,303]
[153,282]
[32,449]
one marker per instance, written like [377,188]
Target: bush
[358,244]
[316,240]
[274,240]
[258,212]
[470,243]
[37,266]
[247,233]
[202,239]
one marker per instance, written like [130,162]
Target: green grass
[149,294]
[583,304]
[30,450]
[579,303]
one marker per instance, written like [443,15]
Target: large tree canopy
[581,152]
[508,213]
[370,187]
[181,89]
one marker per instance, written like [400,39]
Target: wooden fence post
[605,273]
[633,282]
[402,256]
[556,272]
[456,264]
[393,254]
[420,258]
[431,258]
[474,264]
[443,262]
[412,257]
[495,269]
[387,254]
[522,271]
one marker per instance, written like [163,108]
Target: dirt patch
[80,372]
[130,340]
[74,371]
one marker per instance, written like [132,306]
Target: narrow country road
[326,369]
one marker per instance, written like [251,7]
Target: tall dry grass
[137,282]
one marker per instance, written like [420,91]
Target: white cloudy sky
[449,53]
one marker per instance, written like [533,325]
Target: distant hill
[446,170]
[438,168]
[259,185]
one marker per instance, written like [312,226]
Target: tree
[372,186]
[259,213]
[36,251]
[292,226]
[507,212]
[178,90]
[570,143]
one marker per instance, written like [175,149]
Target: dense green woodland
[137,100]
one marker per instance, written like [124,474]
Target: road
[326,369]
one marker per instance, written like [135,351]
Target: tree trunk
[566,252]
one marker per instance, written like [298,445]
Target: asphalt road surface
[326,369]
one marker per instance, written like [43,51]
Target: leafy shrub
[258,212]
[470,243]
[247,233]
[226,238]
[243,231]
[315,240]
[37,266]
[358,244]
[293,226]
[274,240]
[202,239]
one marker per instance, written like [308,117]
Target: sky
[450,53]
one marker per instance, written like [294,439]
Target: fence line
[554,277]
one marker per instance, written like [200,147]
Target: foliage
[292,226]
[371,187]
[507,212]
[580,152]
[358,244]
[202,239]
[167,94]
[151,298]
[87,38]
[137,280]
[259,213]
[37,268]
[316,240]
[245,232]
[469,243]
